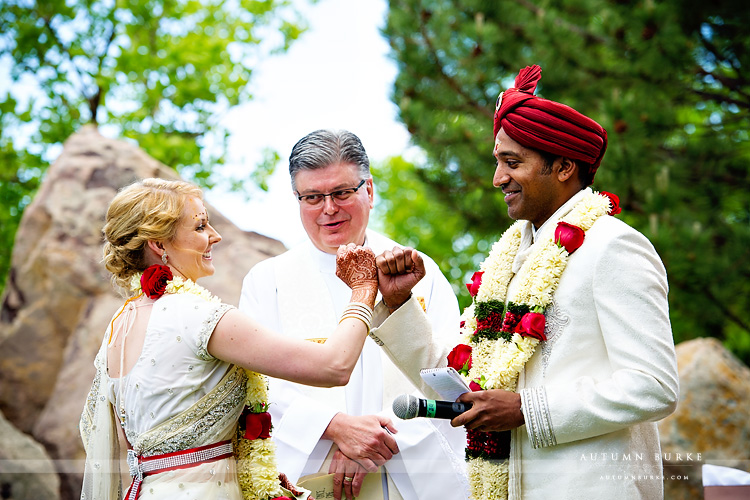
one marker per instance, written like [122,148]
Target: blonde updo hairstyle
[145,210]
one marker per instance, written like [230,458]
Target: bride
[178,369]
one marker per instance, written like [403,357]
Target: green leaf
[160,72]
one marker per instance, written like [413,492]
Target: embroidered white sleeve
[207,328]
[537,417]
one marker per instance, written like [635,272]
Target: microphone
[407,406]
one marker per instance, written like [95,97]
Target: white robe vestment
[298,294]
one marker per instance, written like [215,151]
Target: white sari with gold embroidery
[176,397]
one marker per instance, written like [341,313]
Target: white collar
[529,232]
[325,261]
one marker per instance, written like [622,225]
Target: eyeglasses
[340,197]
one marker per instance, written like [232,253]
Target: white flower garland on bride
[257,471]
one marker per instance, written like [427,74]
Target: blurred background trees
[159,72]
[669,80]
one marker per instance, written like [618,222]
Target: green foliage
[16,184]
[411,209]
[485,309]
[666,79]
[159,72]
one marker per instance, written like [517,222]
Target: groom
[571,352]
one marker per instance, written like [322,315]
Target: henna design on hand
[355,266]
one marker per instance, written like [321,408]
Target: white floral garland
[257,471]
[177,285]
[497,362]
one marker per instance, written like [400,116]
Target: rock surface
[58,298]
[26,470]
[710,424]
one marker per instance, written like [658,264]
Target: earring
[164,258]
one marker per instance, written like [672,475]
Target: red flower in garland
[460,358]
[532,325]
[614,203]
[474,386]
[257,425]
[154,280]
[476,282]
[488,445]
[569,236]
[493,322]
[510,321]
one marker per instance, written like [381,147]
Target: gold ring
[348,479]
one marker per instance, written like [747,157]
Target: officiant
[342,430]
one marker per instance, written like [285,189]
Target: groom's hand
[398,271]
[493,410]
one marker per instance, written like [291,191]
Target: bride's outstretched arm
[240,340]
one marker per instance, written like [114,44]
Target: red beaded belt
[141,467]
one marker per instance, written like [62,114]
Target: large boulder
[26,470]
[711,423]
[58,298]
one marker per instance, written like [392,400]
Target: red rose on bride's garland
[474,386]
[460,358]
[614,203]
[569,236]
[154,280]
[532,325]
[476,282]
[257,425]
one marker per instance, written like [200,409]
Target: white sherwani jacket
[592,392]
[298,294]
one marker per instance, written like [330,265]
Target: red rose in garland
[460,358]
[510,321]
[532,325]
[154,280]
[474,386]
[569,236]
[614,203]
[257,425]
[476,282]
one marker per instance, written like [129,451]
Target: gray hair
[322,148]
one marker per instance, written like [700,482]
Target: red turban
[547,125]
